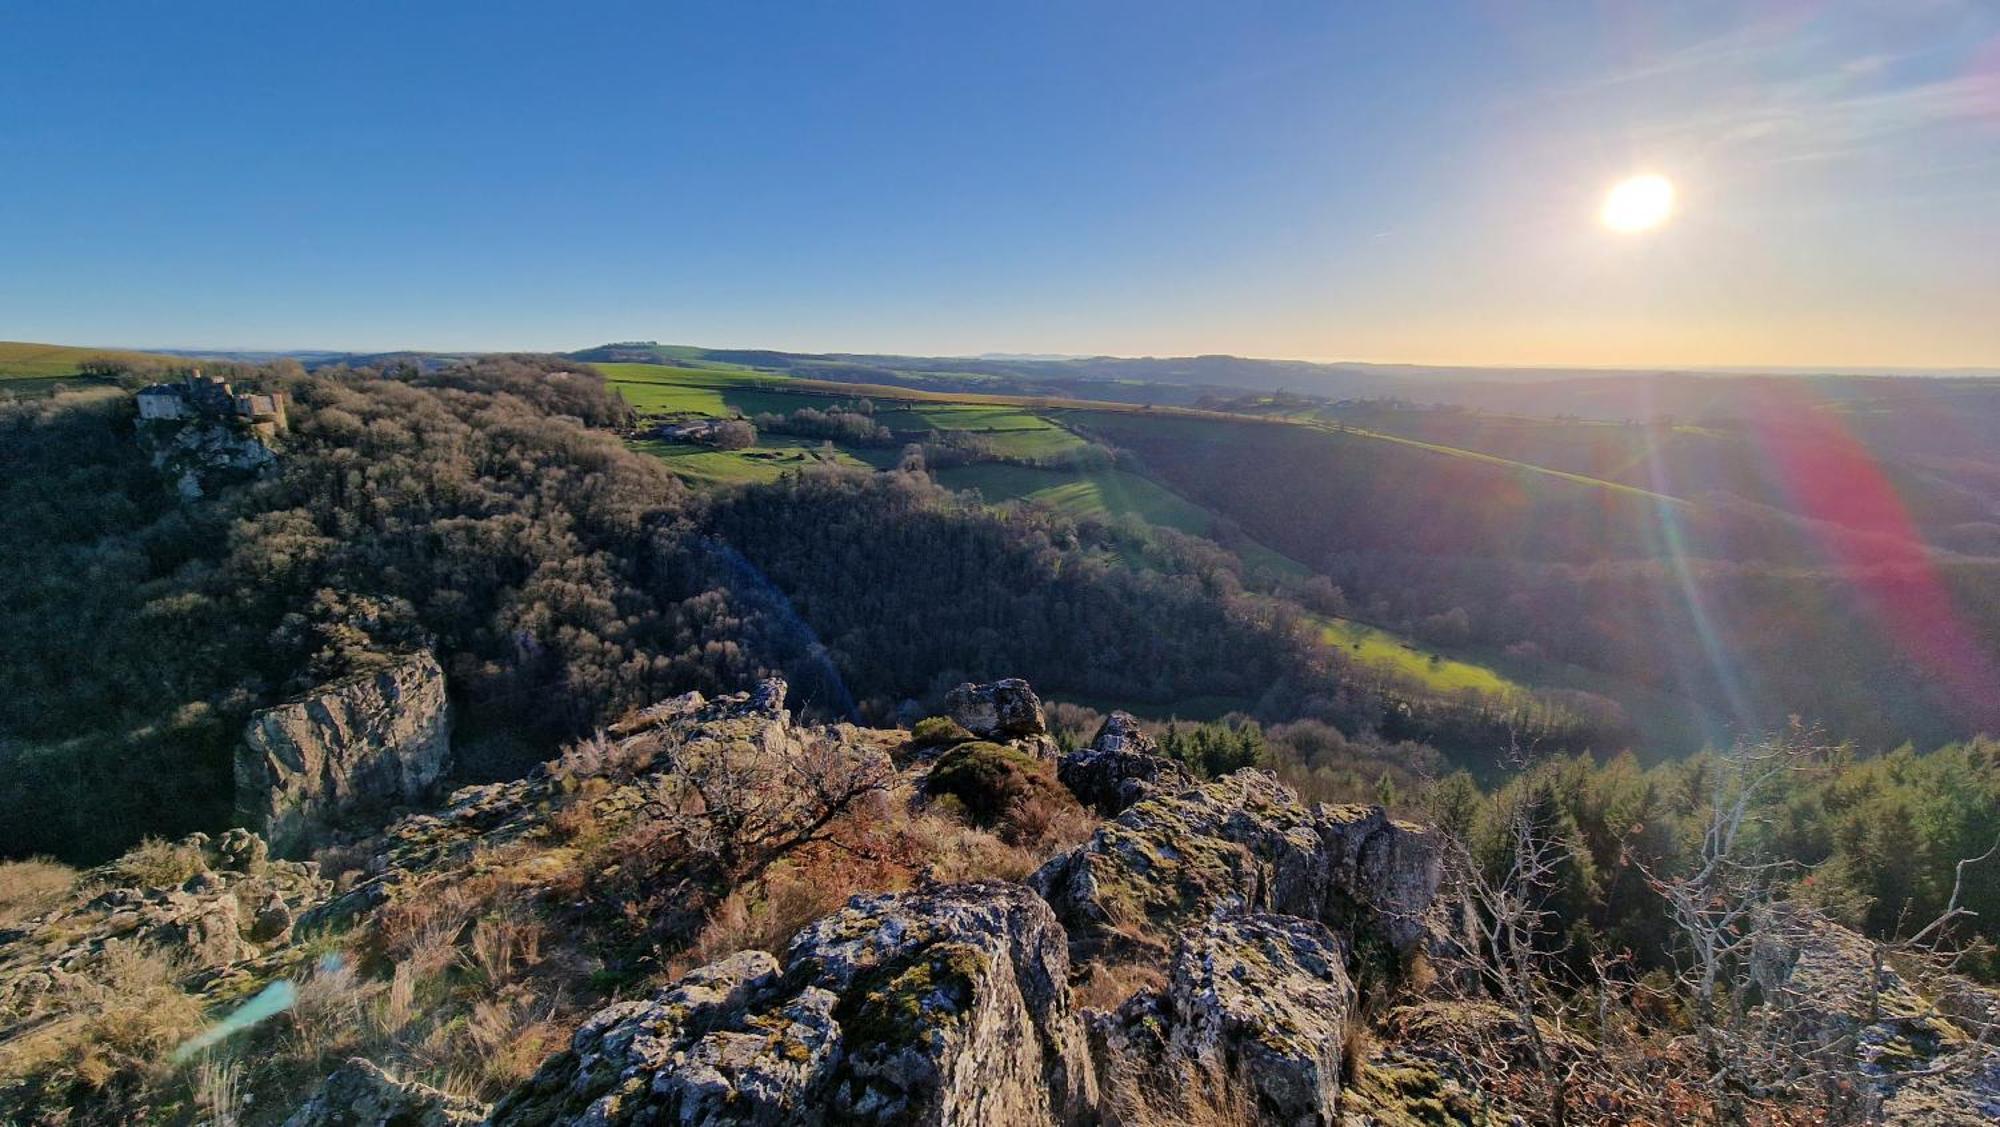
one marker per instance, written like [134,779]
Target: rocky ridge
[952,1003]
[199,455]
[1256,928]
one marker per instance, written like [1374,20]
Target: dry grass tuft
[29,888]
[328,1019]
[766,916]
[218,1091]
[504,945]
[112,1025]
[154,863]
[1357,1046]
[1045,825]
[1106,986]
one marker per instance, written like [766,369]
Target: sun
[1638,204]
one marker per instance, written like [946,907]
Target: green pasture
[766,461]
[1101,493]
[1392,653]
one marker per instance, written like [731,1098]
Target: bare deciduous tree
[1497,939]
[745,805]
[1718,907]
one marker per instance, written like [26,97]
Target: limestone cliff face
[371,742]
[199,455]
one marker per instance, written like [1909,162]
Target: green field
[1106,493]
[1100,493]
[718,390]
[766,461]
[1013,431]
[725,390]
[1379,649]
[35,369]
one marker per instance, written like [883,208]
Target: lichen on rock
[1254,1015]
[1121,766]
[1003,709]
[945,1005]
[1243,841]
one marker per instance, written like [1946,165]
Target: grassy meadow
[1096,493]
[1403,657]
[36,369]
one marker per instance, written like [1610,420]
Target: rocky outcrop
[200,455]
[1000,710]
[1919,1050]
[369,743]
[360,1094]
[1121,766]
[188,900]
[1244,841]
[946,1005]
[1253,1019]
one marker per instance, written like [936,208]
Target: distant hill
[20,360]
[1613,394]
[311,358]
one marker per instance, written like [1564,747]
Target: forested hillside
[489,512]
[1746,613]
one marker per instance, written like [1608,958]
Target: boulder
[240,851]
[371,742]
[1004,709]
[769,696]
[945,1005]
[1253,1018]
[360,1094]
[1922,1056]
[273,921]
[1244,841]
[204,928]
[1121,766]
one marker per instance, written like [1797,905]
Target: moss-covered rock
[989,778]
[939,731]
[1121,766]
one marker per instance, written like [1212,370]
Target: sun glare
[1639,204]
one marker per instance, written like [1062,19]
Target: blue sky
[1396,182]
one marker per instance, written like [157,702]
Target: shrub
[936,731]
[1047,823]
[990,779]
